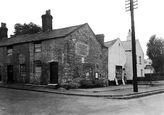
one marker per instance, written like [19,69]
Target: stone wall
[84,67]
[79,55]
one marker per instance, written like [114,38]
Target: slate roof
[127,45]
[56,33]
[110,43]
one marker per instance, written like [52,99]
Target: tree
[155,51]
[21,29]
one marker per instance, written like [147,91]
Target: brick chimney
[3,31]
[47,21]
[100,38]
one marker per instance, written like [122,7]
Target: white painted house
[139,56]
[116,59]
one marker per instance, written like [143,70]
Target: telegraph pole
[130,6]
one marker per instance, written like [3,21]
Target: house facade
[139,56]
[61,56]
[116,60]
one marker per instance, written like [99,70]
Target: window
[141,73]
[96,75]
[37,47]
[9,50]
[23,71]
[140,62]
[38,68]
[128,50]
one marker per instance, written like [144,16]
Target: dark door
[119,72]
[54,72]
[10,73]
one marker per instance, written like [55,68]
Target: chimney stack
[3,31]
[100,38]
[47,21]
[129,37]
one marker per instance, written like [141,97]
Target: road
[21,102]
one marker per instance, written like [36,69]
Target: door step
[53,86]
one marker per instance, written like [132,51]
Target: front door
[54,73]
[119,72]
[10,73]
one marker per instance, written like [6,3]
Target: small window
[140,60]
[38,68]
[37,47]
[141,73]
[9,50]
[96,75]
[23,70]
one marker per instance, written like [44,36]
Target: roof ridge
[55,33]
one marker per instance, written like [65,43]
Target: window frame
[24,70]
[140,61]
[38,66]
[9,50]
[37,47]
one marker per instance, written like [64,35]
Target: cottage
[139,56]
[64,56]
[116,60]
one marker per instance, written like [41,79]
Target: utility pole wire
[134,65]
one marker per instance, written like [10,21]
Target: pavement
[111,92]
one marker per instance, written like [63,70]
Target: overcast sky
[103,16]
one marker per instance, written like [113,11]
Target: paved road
[20,102]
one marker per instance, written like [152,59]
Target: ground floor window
[38,67]
[23,70]
[141,73]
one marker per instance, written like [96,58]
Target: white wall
[116,56]
[140,66]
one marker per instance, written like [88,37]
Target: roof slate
[127,45]
[110,43]
[56,33]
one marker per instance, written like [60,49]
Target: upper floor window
[37,47]
[9,50]
[140,62]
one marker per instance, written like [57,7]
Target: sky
[106,17]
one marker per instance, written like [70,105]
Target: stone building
[61,56]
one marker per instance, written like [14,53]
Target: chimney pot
[47,21]
[3,25]
[3,31]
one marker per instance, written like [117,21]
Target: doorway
[54,73]
[119,72]
[10,73]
